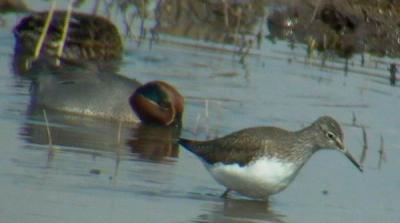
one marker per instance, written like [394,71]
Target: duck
[109,96]
[89,38]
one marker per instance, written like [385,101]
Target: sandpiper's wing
[239,147]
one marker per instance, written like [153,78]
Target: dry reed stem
[315,11]
[225,9]
[43,34]
[64,33]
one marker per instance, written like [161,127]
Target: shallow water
[92,176]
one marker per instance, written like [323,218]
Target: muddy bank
[340,27]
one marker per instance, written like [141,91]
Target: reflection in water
[241,211]
[393,70]
[154,142]
[70,130]
[85,92]
[84,86]
[341,26]
[218,21]
[105,91]
[67,130]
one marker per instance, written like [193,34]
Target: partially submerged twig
[226,16]
[393,70]
[206,108]
[203,118]
[119,132]
[118,155]
[365,145]
[238,15]
[207,117]
[196,124]
[47,128]
[244,52]
[50,153]
[116,168]
[382,154]
[354,119]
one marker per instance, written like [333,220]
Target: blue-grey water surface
[90,176]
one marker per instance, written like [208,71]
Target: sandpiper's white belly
[258,179]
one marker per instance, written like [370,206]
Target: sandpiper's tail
[199,148]
[188,144]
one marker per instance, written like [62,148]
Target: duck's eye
[330,135]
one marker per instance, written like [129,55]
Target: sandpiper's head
[158,103]
[331,137]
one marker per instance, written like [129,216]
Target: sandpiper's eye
[330,135]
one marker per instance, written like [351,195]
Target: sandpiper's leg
[225,194]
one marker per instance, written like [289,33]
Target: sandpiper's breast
[258,179]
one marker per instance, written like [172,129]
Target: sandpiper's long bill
[261,161]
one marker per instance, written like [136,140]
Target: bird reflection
[154,142]
[241,211]
[147,142]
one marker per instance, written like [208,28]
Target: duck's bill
[354,161]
